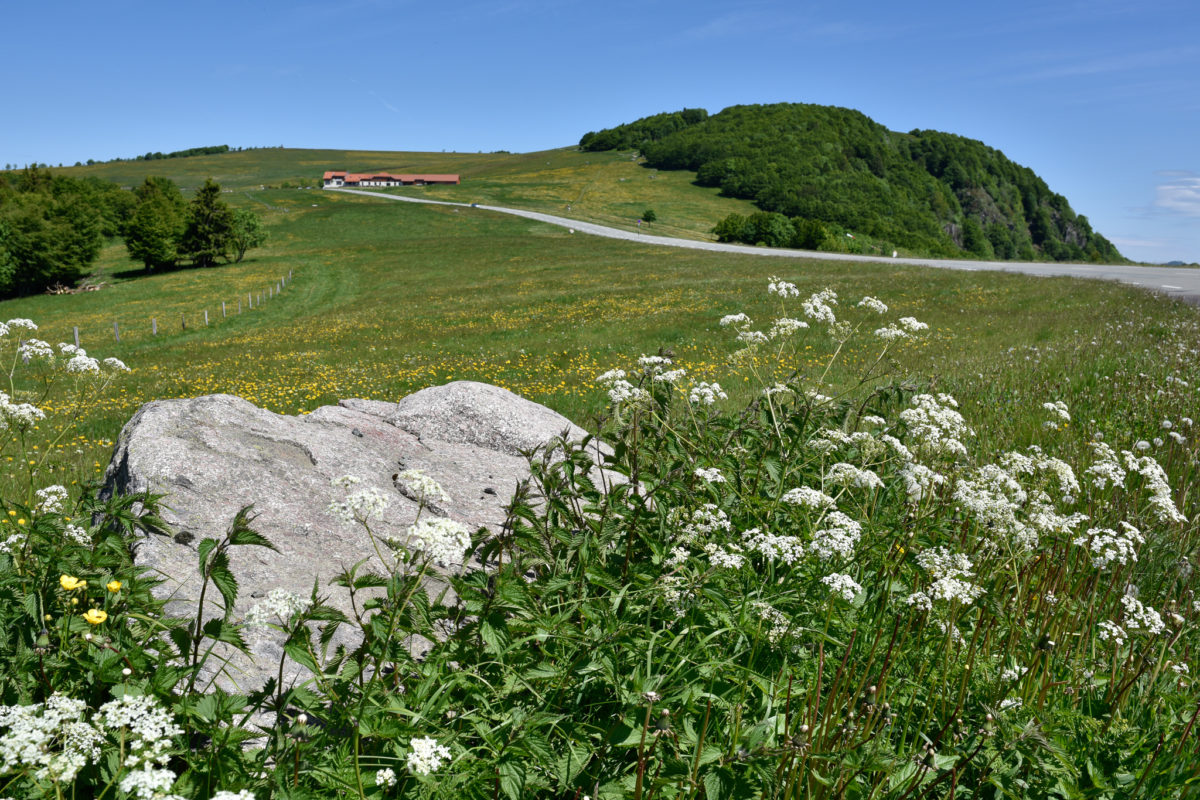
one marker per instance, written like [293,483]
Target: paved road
[1181,282]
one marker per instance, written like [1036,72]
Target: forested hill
[821,172]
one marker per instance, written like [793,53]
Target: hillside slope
[831,169]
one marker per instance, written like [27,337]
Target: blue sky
[1100,98]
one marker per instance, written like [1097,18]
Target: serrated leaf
[222,631]
[222,578]
[206,547]
[245,536]
[512,778]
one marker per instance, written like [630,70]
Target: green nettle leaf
[222,578]
[223,631]
[512,778]
[203,551]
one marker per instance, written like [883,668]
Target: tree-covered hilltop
[820,172]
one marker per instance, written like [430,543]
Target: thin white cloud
[1125,241]
[1179,196]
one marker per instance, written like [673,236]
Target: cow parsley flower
[50,500]
[703,522]
[52,738]
[279,607]
[782,288]
[727,557]
[18,416]
[422,488]
[32,349]
[807,497]
[21,322]
[148,783]
[734,319]
[779,624]
[850,476]
[706,394]
[774,547]
[84,365]
[786,326]
[361,506]
[116,365]
[873,304]
[842,584]
[935,426]
[819,306]
[1107,546]
[386,778]
[1059,409]
[426,756]
[443,540]
[913,325]
[890,333]
[752,338]
[838,538]
[711,475]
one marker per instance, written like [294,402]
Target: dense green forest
[823,174]
[52,227]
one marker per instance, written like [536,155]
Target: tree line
[930,192]
[53,227]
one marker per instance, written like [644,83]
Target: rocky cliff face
[216,454]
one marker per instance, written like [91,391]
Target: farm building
[338,178]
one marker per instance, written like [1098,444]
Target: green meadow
[826,584]
[386,298]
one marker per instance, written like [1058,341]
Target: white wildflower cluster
[737,320]
[244,794]
[705,394]
[782,288]
[621,390]
[1156,481]
[1013,673]
[386,778]
[991,497]
[1111,631]
[149,783]
[820,306]
[1139,617]
[116,365]
[426,756]
[78,360]
[779,624]
[904,328]
[710,474]
[18,416]
[19,323]
[935,425]
[422,489]
[35,350]
[807,497]
[12,544]
[279,607]
[949,571]
[1107,546]
[443,540]
[827,440]
[920,481]
[77,535]
[727,556]
[786,326]
[752,338]
[1106,470]
[1058,410]
[51,738]
[674,593]
[702,523]
[843,585]
[1011,703]
[773,546]
[143,725]
[851,477]
[776,389]
[50,500]
[671,376]
[837,538]
[653,365]
[873,304]
[361,506]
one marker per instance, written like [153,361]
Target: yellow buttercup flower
[96,616]
[70,584]
[113,586]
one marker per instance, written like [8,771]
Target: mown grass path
[1183,283]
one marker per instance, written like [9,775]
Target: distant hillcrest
[821,172]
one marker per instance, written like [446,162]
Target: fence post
[249,300]
[223,314]
[239,305]
[116,331]
[183,320]
[76,335]
[206,316]
[153,326]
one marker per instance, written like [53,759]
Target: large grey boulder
[214,455]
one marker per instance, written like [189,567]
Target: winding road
[1181,282]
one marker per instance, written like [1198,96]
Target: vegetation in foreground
[856,595]
[819,172]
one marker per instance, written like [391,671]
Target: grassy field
[388,298]
[764,674]
[609,188]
